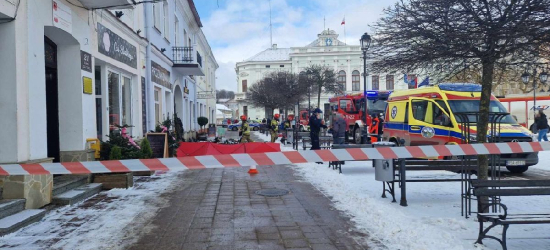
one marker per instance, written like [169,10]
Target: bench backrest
[511,187]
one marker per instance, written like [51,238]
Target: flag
[405,79]
[426,82]
[343,21]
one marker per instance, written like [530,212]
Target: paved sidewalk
[218,209]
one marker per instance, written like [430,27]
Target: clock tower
[327,38]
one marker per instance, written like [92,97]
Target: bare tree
[277,90]
[426,35]
[322,79]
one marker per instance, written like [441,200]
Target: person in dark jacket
[338,128]
[315,125]
[542,125]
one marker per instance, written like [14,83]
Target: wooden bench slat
[512,192]
[511,183]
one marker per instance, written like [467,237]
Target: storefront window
[114,100]
[126,101]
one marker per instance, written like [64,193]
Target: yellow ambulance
[426,116]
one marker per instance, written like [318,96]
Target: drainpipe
[150,106]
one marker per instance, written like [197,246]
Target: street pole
[535,94]
[365,114]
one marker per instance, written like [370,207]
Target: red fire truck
[352,107]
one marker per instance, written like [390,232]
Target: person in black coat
[542,125]
[315,125]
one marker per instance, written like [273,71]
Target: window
[282,66]
[419,108]
[342,80]
[245,87]
[114,100]
[126,101]
[245,110]
[355,76]
[165,21]
[156,16]
[98,103]
[346,105]
[375,83]
[411,78]
[158,107]
[389,82]
[176,31]
[268,66]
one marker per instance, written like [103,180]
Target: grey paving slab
[218,209]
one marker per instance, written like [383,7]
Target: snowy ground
[109,220]
[432,220]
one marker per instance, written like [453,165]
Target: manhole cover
[272,192]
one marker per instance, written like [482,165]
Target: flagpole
[345,37]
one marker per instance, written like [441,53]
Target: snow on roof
[277,54]
[222,107]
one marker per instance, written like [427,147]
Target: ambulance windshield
[458,106]
[376,106]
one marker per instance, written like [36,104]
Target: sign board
[207,95]
[87,85]
[160,75]
[62,16]
[212,131]
[185,89]
[159,144]
[85,61]
[114,46]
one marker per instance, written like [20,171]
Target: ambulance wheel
[357,138]
[517,169]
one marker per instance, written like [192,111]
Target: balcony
[240,96]
[185,63]
[107,4]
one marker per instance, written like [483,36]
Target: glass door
[126,102]
[114,100]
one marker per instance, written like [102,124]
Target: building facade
[346,61]
[72,72]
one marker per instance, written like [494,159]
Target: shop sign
[160,75]
[114,46]
[185,89]
[87,85]
[62,16]
[85,61]
[205,95]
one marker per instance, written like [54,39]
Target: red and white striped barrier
[274,158]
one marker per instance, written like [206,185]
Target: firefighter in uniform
[315,125]
[245,130]
[373,129]
[274,128]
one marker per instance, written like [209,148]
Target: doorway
[52,99]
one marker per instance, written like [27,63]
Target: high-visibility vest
[274,125]
[374,126]
[245,128]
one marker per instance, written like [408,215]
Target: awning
[107,4]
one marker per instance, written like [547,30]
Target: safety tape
[274,158]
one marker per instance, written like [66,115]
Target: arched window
[342,80]
[375,83]
[355,76]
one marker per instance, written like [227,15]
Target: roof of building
[222,107]
[271,54]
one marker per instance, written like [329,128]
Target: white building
[72,71]
[326,50]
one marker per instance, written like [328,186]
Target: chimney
[274,46]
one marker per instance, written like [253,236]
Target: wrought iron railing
[182,54]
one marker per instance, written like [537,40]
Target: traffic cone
[253,170]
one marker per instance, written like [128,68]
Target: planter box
[144,173]
[118,180]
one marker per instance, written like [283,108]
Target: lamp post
[543,77]
[365,44]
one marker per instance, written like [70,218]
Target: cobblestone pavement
[218,209]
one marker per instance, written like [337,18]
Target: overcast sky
[239,29]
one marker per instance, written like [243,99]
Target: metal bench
[492,188]
[338,164]
[324,141]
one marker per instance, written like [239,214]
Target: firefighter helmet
[243,117]
[276,116]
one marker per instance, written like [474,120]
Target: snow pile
[110,220]
[432,220]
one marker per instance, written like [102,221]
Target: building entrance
[52,99]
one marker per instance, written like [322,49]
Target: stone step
[19,220]
[11,206]
[65,183]
[78,194]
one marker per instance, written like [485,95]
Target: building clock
[328,42]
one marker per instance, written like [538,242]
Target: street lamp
[365,44]
[543,77]
[309,78]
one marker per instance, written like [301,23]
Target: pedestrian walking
[338,128]
[245,130]
[542,125]
[274,128]
[315,125]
